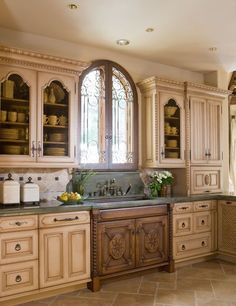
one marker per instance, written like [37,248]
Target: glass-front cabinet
[172,139]
[36,118]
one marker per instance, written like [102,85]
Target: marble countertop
[56,207]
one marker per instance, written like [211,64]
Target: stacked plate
[11,149]
[9,133]
[55,151]
[57,137]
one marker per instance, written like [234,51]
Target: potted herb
[160,183]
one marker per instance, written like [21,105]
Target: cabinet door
[64,254]
[198,130]
[213,128]
[206,179]
[17,115]
[116,246]
[172,130]
[227,227]
[57,109]
[151,240]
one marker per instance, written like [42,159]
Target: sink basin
[117,199]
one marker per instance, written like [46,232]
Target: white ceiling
[184,29]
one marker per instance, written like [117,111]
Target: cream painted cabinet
[205,122]
[64,248]
[39,106]
[18,255]
[227,227]
[194,227]
[163,123]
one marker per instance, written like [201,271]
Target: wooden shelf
[14,140]
[15,100]
[56,105]
[172,118]
[172,135]
[172,148]
[14,123]
[55,142]
[55,126]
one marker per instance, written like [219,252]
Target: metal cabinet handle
[203,206]
[17,247]
[18,223]
[39,149]
[183,247]
[228,202]
[183,225]
[33,148]
[66,219]
[18,279]
[184,207]
[203,243]
[203,222]
[162,152]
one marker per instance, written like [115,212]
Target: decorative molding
[155,81]
[211,89]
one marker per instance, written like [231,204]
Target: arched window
[108,117]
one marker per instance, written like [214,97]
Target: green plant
[159,179]
[79,179]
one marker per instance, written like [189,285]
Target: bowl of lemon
[70,198]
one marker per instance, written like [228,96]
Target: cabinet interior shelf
[172,148]
[172,118]
[55,126]
[14,123]
[14,140]
[55,142]
[56,105]
[14,100]
[172,135]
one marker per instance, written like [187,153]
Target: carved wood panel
[151,240]
[116,243]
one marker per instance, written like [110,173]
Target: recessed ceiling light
[73,6]
[122,42]
[212,49]
[149,30]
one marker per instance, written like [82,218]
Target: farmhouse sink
[117,199]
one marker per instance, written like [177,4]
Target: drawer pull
[203,243]
[203,222]
[18,223]
[183,225]
[66,219]
[228,202]
[203,206]
[17,247]
[184,207]
[183,247]
[18,279]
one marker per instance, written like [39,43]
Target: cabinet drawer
[202,222]
[18,278]
[19,246]
[181,208]
[203,205]
[52,220]
[18,223]
[192,245]
[183,224]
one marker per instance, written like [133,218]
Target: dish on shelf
[11,149]
[172,154]
[57,137]
[9,133]
[170,110]
[172,143]
[55,151]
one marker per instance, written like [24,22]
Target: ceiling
[184,30]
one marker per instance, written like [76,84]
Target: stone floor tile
[214,302]
[224,290]
[124,299]
[209,265]
[42,302]
[160,276]
[79,301]
[193,284]
[167,285]
[148,288]
[108,296]
[130,285]
[176,297]
[204,296]
[200,273]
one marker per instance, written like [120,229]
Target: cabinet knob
[183,247]
[202,222]
[17,247]
[203,243]
[18,223]
[183,225]
[18,279]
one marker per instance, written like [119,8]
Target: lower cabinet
[227,227]
[64,248]
[194,229]
[128,240]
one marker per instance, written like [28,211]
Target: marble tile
[194,284]
[124,299]
[79,301]
[224,290]
[200,273]
[176,297]
[148,288]
[107,296]
[160,276]
[130,285]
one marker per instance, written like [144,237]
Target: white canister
[9,191]
[29,192]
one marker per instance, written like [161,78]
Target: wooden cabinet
[38,109]
[127,240]
[18,255]
[194,229]
[227,227]
[64,248]
[163,123]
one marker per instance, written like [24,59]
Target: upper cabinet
[38,109]
[108,117]
[163,123]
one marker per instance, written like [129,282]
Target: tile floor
[211,283]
